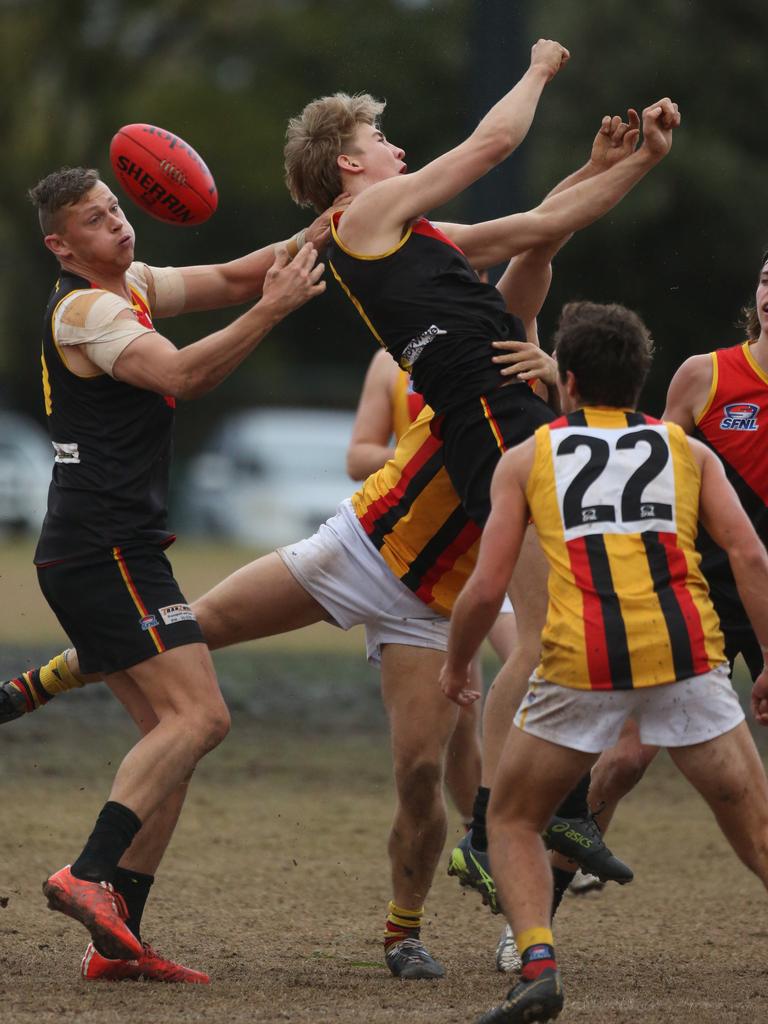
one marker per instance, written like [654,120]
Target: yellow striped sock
[534,937]
[57,676]
[401,922]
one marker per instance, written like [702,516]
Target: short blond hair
[314,140]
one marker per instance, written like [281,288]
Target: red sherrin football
[163,174]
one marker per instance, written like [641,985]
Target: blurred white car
[26,460]
[268,476]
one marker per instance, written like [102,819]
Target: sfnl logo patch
[740,416]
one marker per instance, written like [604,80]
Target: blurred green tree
[683,249]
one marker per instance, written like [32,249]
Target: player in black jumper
[414,284]
[110,384]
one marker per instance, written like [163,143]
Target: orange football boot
[150,966]
[99,908]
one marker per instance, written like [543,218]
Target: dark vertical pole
[500,54]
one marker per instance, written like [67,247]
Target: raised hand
[550,55]
[659,121]
[290,283]
[615,140]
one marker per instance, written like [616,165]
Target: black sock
[575,804]
[561,879]
[112,834]
[478,835]
[134,887]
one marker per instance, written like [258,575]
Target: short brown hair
[608,349]
[59,189]
[314,140]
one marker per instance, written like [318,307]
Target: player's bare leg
[136,873]
[463,764]
[260,599]
[517,815]
[532,778]
[463,758]
[421,725]
[469,860]
[617,772]
[181,688]
[528,593]
[146,851]
[729,774]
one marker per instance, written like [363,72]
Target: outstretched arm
[242,280]
[376,217]
[369,446]
[154,363]
[478,604]
[575,207]
[525,283]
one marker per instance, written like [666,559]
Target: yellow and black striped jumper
[412,515]
[424,303]
[614,495]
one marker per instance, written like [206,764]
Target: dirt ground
[277,883]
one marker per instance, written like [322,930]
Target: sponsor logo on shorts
[66,451]
[416,346]
[148,622]
[176,613]
[740,416]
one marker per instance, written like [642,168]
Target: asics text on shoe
[581,840]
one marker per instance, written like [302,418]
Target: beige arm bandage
[88,318]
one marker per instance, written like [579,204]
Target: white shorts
[340,568]
[673,715]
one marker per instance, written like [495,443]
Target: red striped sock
[536,959]
[401,924]
[32,690]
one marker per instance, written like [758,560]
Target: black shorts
[734,622]
[744,642]
[477,433]
[119,608]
